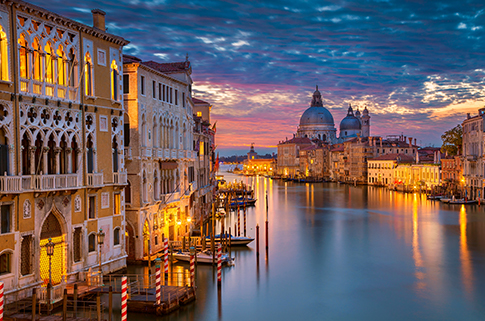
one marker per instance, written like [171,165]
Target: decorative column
[57,151]
[69,159]
[32,159]
[45,154]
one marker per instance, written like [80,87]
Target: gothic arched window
[3,55]
[88,74]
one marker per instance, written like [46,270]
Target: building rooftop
[395,156]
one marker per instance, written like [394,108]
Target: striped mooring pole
[244,212]
[165,257]
[158,281]
[124,298]
[192,266]
[219,264]
[2,301]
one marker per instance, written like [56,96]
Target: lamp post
[100,236]
[50,251]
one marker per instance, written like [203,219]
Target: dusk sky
[418,66]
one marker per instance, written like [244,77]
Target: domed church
[317,123]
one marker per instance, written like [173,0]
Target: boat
[445,200]
[463,201]
[235,240]
[435,197]
[242,202]
[203,257]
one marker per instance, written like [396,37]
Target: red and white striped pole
[192,266]
[158,281]
[219,264]
[124,298]
[244,212]
[2,301]
[165,257]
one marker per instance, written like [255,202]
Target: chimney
[410,142]
[98,19]
[434,157]
[415,140]
[380,141]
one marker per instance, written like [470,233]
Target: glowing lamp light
[100,236]
[189,219]
[50,247]
[179,222]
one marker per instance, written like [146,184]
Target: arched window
[36,61]
[92,242]
[90,147]
[6,263]
[63,157]
[3,55]
[74,156]
[23,57]
[145,188]
[61,67]
[114,81]
[155,133]
[49,64]
[4,163]
[115,155]
[39,150]
[51,156]
[88,74]
[116,236]
[26,155]
[156,187]
[72,80]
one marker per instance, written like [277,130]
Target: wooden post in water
[98,306]
[203,242]
[110,303]
[230,245]
[75,299]
[64,306]
[266,224]
[34,303]
[257,241]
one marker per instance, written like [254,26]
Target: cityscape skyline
[417,67]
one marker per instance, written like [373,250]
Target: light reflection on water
[339,252]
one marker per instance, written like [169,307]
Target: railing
[128,154]
[10,184]
[120,178]
[49,182]
[181,154]
[146,152]
[57,293]
[167,153]
[49,90]
[160,153]
[174,154]
[95,179]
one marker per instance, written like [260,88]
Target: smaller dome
[357,113]
[350,122]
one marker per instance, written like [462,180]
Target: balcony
[50,182]
[146,152]
[166,153]
[95,180]
[120,178]
[10,184]
[174,154]
[128,153]
[181,154]
[160,153]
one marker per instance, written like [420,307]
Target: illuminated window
[61,67]
[36,61]
[92,242]
[117,205]
[88,74]
[116,236]
[199,114]
[201,148]
[3,55]
[24,58]
[114,80]
[49,64]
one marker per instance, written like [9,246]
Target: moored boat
[235,240]
[463,201]
[202,257]
[445,200]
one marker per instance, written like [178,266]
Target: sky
[418,66]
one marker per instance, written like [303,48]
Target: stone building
[315,162]
[288,163]
[159,112]
[473,162]
[381,169]
[204,144]
[61,138]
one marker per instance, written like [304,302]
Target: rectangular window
[183,100]
[5,219]
[142,85]
[159,91]
[92,207]
[117,204]
[176,97]
[77,244]
[154,87]
[126,84]
[163,93]
[199,114]
[171,96]
[26,255]
[5,261]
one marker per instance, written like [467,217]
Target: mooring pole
[257,241]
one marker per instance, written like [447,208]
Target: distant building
[254,165]
[473,162]
[381,169]
[289,155]
[452,174]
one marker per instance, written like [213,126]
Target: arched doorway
[130,242]
[52,229]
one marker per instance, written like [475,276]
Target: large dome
[317,114]
[350,122]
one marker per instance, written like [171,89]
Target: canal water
[339,252]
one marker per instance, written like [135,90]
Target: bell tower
[365,123]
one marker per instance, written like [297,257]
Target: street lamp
[50,252]
[100,236]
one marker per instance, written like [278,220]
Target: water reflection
[466,264]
